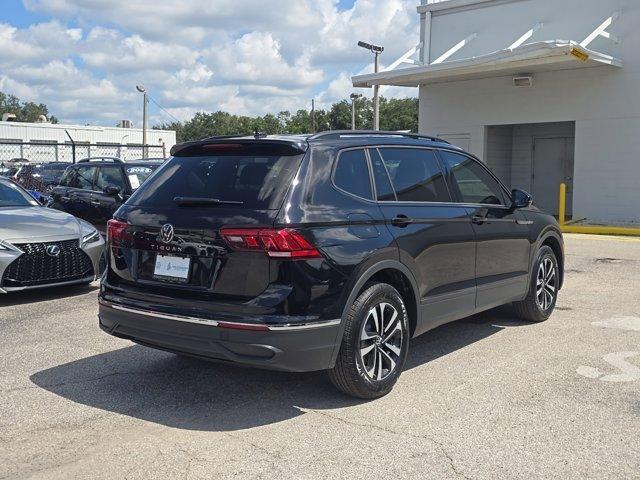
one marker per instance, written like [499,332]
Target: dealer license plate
[172,268]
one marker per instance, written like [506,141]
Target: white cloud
[246,57]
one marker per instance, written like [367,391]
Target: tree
[395,114]
[24,111]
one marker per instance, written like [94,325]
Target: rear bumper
[280,345]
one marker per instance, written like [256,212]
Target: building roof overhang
[529,58]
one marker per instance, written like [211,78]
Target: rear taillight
[115,231]
[277,243]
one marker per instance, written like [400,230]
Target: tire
[536,307]
[369,363]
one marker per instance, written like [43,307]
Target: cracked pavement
[486,397]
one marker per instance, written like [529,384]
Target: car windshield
[253,181]
[13,196]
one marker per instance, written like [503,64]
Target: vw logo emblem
[166,233]
[53,250]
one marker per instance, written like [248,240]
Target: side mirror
[111,190]
[520,198]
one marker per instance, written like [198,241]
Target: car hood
[29,224]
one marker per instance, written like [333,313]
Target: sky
[83,58]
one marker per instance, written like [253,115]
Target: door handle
[95,202]
[479,219]
[401,221]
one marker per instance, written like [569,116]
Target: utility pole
[376,96]
[376,50]
[145,102]
[313,115]
[354,97]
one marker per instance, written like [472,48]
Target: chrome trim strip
[215,323]
[166,316]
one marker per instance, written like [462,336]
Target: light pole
[354,97]
[143,90]
[377,50]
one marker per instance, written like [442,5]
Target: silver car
[41,247]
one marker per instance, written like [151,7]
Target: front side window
[415,174]
[83,178]
[67,177]
[352,174]
[474,183]
[109,177]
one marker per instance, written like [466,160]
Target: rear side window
[384,190]
[415,174]
[352,174]
[473,182]
[138,174]
[259,182]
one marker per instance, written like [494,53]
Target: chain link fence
[35,156]
[47,152]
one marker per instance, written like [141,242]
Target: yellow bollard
[562,203]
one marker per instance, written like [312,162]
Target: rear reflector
[277,243]
[243,326]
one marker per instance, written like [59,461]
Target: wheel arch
[553,240]
[386,271]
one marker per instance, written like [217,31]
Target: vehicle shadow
[45,295]
[191,394]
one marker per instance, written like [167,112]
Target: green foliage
[395,114]
[24,111]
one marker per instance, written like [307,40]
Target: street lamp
[143,90]
[354,97]
[376,50]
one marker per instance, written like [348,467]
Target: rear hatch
[169,238]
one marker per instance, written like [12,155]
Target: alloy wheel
[381,341]
[546,284]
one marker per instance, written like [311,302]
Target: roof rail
[102,159]
[372,133]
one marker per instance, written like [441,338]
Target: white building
[40,142]
[544,91]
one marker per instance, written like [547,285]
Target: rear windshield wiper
[197,201]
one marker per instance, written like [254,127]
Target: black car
[94,188]
[41,177]
[326,252]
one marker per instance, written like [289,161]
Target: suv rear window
[260,182]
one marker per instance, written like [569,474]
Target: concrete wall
[498,151]
[604,102]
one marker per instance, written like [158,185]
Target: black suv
[94,188]
[322,252]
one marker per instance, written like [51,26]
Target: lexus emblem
[53,250]
[166,233]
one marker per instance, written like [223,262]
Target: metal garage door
[552,165]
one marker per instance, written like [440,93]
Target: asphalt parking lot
[485,397]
